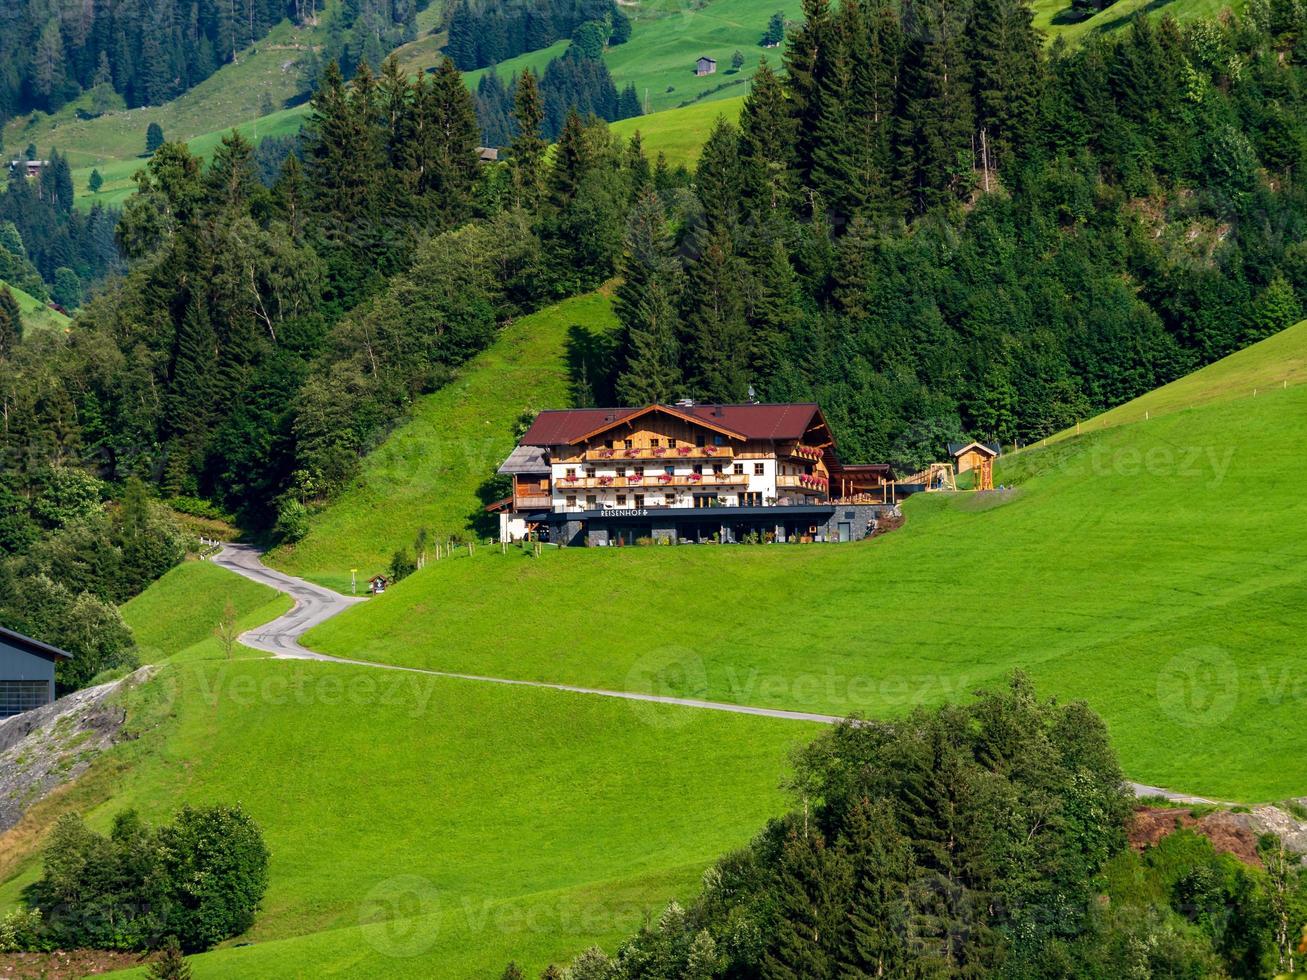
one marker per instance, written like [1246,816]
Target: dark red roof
[781,422]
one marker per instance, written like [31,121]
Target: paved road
[315,604]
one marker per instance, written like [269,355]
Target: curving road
[315,604]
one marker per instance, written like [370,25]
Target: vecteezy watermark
[299,686]
[1199,687]
[400,916]
[666,673]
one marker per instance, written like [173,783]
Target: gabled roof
[958,448]
[29,645]
[750,421]
[706,58]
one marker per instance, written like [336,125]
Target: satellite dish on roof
[753,395]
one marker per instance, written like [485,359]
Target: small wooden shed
[705,66]
[969,455]
[377,584]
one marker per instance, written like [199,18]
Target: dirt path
[315,604]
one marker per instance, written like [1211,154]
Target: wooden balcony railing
[806,452]
[619,455]
[814,484]
[652,481]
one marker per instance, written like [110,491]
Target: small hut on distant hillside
[705,66]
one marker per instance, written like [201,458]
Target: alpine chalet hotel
[688,473]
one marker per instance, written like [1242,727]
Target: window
[700,441]
[738,469]
[621,500]
[759,469]
[671,443]
[639,500]
[639,471]
[653,443]
[590,501]
[669,499]
[590,472]
[621,471]
[571,472]
[717,469]
[608,444]
[669,469]
[719,440]
[628,444]
[571,500]
[698,468]
[19,696]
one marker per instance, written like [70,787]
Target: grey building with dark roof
[26,672]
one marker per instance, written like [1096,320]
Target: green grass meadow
[428,471]
[36,315]
[679,133]
[1146,568]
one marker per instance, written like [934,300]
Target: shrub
[199,879]
[20,930]
[402,565]
[217,865]
[292,521]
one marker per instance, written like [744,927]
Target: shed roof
[958,448]
[29,645]
[706,58]
[525,459]
[750,421]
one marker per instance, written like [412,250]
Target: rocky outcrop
[42,750]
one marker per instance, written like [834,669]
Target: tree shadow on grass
[591,366]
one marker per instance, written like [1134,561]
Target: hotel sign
[627,512]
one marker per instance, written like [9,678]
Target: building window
[590,472]
[669,499]
[759,469]
[669,470]
[628,444]
[590,501]
[639,471]
[639,500]
[621,471]
[571,500]
[717,469]
[719,440]
[621,500]
[698,468]
[700,441]
[653,443]
[608,444]
[19,696]
[571,472]
[739,469]
[671,443]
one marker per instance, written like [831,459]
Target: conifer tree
[231,178]
[646,305]
[716,336]
[806,58]
[527,160]
[936,126]
[806,936]
[717,179]
[571,161]
[637,166]
[767,136]
[153,137]
[452,169]
[772,309]
[880,861]
[1006,61]
[11,323]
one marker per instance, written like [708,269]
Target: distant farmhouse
[31,168]
[26,672]
[705,66]
[688,473]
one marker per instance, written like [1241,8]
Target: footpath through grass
[1149,569]
[431,470]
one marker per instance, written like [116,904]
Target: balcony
[652,481]
[812,484]
[663,454]
[527,501]
[811,453]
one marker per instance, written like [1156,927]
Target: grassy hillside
[659,58]
[1055,19]
[465,807]
[1277,362]
[177,615]
[679,133]
[36,315]
[429,471]
[1144,568]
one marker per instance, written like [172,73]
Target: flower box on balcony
[683,450]
[632,453]
[607,454]
[710,450]
[696,477]
[660,451]
[605,481]
[665,478]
